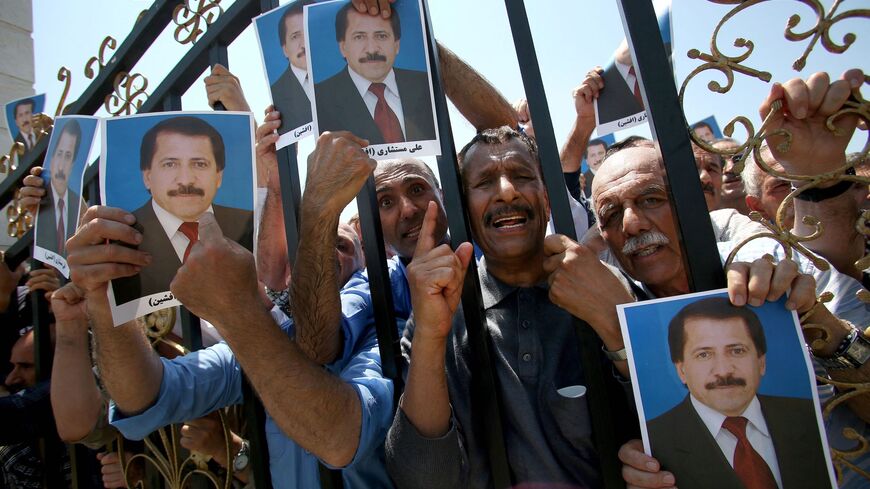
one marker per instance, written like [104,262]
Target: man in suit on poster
[24,120]
[724,434]
[370,97]
[291,92]
[621,95]
[54,227]
[182,161]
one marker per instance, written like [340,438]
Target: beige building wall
[16,71]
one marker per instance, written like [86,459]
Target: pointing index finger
[426,240]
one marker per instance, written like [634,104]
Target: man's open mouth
[509,222]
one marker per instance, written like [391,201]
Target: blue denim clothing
[203,381]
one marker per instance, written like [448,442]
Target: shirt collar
[58,198]
[493,290]
[169,221]
[623,69]
[362,84]
[713,419]
[300,74]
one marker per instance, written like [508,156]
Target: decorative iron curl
[100,59]
[119,102]
[19,219]
[189,18]
[65,76]
[9,161]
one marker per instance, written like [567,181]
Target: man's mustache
[643,240]
[727,381]
[301,53]
[369,57]
[707,188]
[186,190]
[60,174]
[507,210]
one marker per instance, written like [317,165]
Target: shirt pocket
[571,416]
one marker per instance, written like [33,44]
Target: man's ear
[678,366]
[341,48]
[754,204]
[146,179]
[762,362]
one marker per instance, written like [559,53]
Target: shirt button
[527,357]
[525,324]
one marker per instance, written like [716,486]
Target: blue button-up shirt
[198,383]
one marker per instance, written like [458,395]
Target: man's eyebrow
[652,189]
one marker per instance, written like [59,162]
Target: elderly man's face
[23,118]
[369,46]
[61,162]
[595,155]
[348,253]
[404,190]
[23,372]
[184,177]
[635,219]
[507,201]
[710,173]
[294,41]
[721,365]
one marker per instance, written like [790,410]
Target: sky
[570,38]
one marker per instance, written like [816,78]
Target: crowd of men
[304,332]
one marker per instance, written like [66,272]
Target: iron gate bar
[668,125]
[380,289]
[601,402]
[486,404]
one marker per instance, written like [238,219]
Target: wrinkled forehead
[626,170]
[395,173]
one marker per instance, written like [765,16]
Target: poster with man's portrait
[364,83]
[19,115]
[168,169]
[281,36]
[620,103]
[59,211]
[726,394]
[707,129]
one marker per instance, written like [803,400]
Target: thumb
[465,251]
[209,230]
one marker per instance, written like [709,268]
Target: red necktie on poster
[751,469]
[191,230]
[385,118]
[61,229]
[636,88]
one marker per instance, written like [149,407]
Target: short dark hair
[499,136]
[713,308]
[629,142]
[701,124]
[341,22]
[187,126]
[72,128]
[294,9]
[27,101]
[595,142]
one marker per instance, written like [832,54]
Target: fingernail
[373,10]
[385,13]
[855,82]
[129,218]
[739,300]
[756,302]
[147,258]
[791,306]
[668,479]
[137,238]
[651,466]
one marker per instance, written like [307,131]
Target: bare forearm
[75,399]
[311,406]
[129,368]
[840,243]
[314,289]
[572,151]
[426,401]
[272,263]
[472,94]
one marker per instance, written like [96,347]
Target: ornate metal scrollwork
[63,75]
[189,18]
[133,95]
[19,219]
[100,59]
[9,161]
[857,105]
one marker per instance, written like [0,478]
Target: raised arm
[472,94]
[274,268]
[814,149]
[584,123]
[316,409]
[337,170]
[130,369]
[75,399]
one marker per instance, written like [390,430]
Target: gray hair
[753,175]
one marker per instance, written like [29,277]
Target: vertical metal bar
[485,400]
[668,125]
[288,175]
[380,288]
[217,53]
[601,404]
[172,102]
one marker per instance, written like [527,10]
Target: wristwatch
[853,352]
[243,458]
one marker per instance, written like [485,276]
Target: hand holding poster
[725,393]
[169,170]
